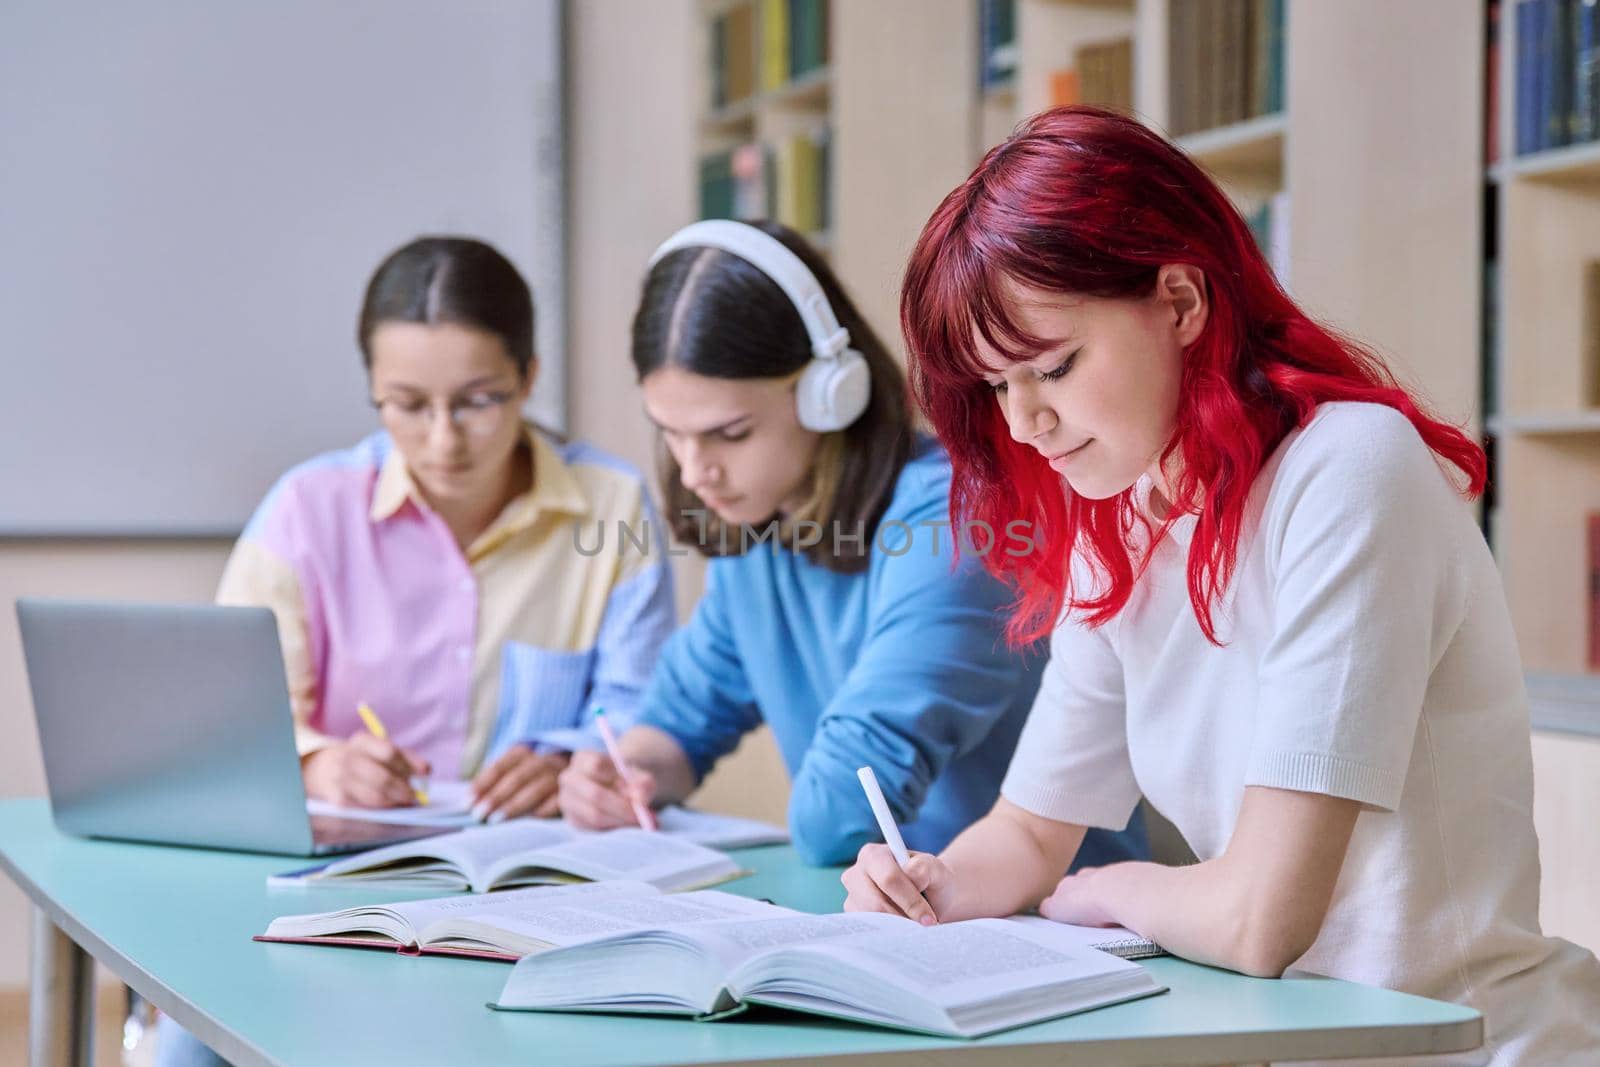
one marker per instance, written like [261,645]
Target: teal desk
[175,924]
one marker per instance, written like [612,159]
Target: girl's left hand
[1076,901]
[520,782]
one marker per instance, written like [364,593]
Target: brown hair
[714,314]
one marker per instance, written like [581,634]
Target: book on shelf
[1593,604]
[523,852]
[1105,73]
[997,43]
[958,979]
[1556,74]
[763,45]
[808,36]
[801,179]
[733,55]
[1224,62]
[774,61]
[1065,87]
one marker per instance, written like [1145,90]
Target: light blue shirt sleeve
[933,677]
[700,694]
[638,620]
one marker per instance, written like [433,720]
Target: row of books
[997,43]
[1100,74]
[786,181]
[639,932]
[1557,79]
[1225,62]
[762,49]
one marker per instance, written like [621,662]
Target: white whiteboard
[192,197]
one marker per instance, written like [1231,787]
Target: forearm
[1195,911]
[1205,912]
[1007,862]
[658,752]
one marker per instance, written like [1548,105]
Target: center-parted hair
[459,280]
[1083,201]
[712,313]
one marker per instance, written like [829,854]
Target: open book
[527,852]
[960,979]
[517,922]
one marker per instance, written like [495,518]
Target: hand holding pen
[888,878]
[602,791]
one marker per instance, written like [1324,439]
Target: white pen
[880,809]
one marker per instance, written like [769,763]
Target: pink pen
[641,811]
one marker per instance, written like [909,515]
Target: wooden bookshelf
[1547,422]
[798,106]
[1254,146]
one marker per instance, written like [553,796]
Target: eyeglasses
[476,414]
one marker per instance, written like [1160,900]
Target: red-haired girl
[1274,615]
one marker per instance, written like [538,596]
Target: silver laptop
[170,723]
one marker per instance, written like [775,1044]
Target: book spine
[1550,120]
[1527,29]
[1275,75]
[1491,112]
[1583,81]
[719,62]
[1594,590]
[774,44]
[1566,16]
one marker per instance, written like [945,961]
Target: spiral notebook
[1119,941]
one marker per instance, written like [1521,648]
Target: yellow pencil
[376,729]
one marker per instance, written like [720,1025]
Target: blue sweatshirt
[902,667]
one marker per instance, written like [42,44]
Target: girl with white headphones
[834,608]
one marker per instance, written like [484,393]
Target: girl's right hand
[923,891]
[594,797]
[363,772]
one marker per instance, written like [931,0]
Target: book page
[571,920]
[413,916]
[469,851]
[493,907]
[735,942]
[719,831]
[977,960]
[627,853]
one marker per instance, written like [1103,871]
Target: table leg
[61,1001]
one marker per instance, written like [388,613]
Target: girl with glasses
[433,573]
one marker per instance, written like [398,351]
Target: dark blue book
[1527,113]
[1586,122]
[1543,72]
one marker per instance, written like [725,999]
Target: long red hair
[1088,202]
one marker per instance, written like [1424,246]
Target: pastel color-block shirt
[461,654]
[902,667]
[1368,655]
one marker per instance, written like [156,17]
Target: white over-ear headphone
[834,388]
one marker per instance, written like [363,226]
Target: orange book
[1064,87]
